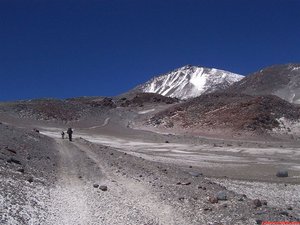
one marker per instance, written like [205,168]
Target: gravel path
[75,200]
[69,199]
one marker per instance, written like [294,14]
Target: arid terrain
[120,170]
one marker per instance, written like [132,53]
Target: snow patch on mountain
[190,81]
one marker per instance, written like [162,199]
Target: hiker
[63,135]
[70,132]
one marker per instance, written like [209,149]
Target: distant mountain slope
[189,81]
[280,80]
[79,108]
[238,112]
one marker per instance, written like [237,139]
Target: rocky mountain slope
[189,81]
[75,109]
[280,80]
[236,112]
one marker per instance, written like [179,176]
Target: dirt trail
[70,196]
[74,200]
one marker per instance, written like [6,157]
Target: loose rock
[282,173]
[207,209]
[213,200]
[284,213]
[181,198]
[13,160]
[11,150]
[21,170]
[221,195]
[259,221]
[264,202]
[195,174]
[103,188]
[257,203]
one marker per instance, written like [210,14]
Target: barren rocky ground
[115,173]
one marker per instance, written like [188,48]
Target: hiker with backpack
[70,132]
[63,135]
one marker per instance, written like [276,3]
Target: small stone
[207,209]
[284,213]
[95,185]
[167,142]
[289,208]
[111,153]
[201,187]
[282,173]
[258,221]
[195,174]
[13,160]
[21,170]
[213,200]
[181,198]
[30,179]
[257,203]
[260,212]
[186,183]
[221,195]
[79,177]
[264,202]
[103,188]
[11,150]
[140,175]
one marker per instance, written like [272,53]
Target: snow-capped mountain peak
[190,81]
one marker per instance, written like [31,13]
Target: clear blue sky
[65,48]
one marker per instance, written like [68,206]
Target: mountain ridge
[189,82]
[281,80]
